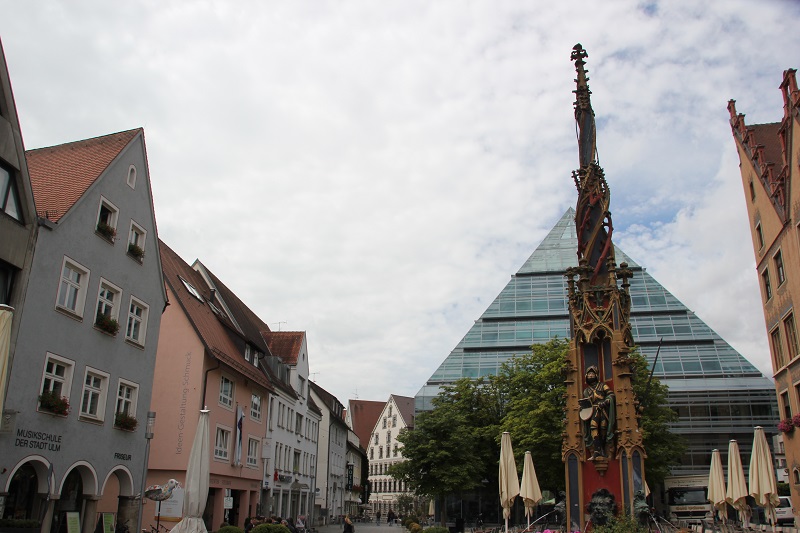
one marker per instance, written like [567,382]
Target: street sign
[227,502]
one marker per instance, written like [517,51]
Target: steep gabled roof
[61,174]
[334,406]
[209,328]
[244,322]
[364,415]
[248,323]
[406,407]
[285,344]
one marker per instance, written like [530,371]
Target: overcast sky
[374,172]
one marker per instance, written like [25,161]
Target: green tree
[532,389]
[450,446]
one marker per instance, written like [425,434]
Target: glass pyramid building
[717,393]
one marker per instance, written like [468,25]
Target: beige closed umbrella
[529,490]
[6,315]
[509,482]
[716,486]
[736,494]
[763,486]
[197,478]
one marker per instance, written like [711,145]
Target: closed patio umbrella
[716,486]
[196,486]
[6,315]
[763,486]
[529,490]
[509,482]
[737,487]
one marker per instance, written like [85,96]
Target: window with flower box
[107,215]
[107,316]
[136,239]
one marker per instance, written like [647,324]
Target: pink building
[206,358]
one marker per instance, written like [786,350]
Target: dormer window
[247,352]
[107,216]
[191,288]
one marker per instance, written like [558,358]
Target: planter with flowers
[107,324]
[106,231]
[125,421]
[54,403]
[136,252]
[786,425]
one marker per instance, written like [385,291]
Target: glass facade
[718,394]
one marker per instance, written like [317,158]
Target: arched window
[132,177]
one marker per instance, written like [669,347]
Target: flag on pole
[239,419]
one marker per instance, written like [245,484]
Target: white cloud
[373,173]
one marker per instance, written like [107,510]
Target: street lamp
[148,435]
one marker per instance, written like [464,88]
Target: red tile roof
[211,329]
[285,344]
[364,415]
[61,174]
[406,407]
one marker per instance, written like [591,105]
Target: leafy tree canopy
[457,444]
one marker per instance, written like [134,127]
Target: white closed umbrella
[196,486]
[6,315]
[716,486]
[763,486]
[509,482]
[736,494]
[529,490]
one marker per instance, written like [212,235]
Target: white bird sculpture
[160,493]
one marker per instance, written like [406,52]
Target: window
[752,191]
[779,271]
[384,422]
[137,321]
[759,236]
[296,461]
[132,177]
[136,239]
[57,377]
[372,453]
[107,215]
[192,290]
[255,407]
[252,452]
[127,395]
[247,352]
[388,438]
[221,442]
[380,452]
[394,450]
[765,282]
[786,407]
[298,426]
[94,394]
[777,348]
[9,198]
[107,314]
[394,421]
[376,438]
[72,288]
[790,329]
[225,392]
[302,383]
